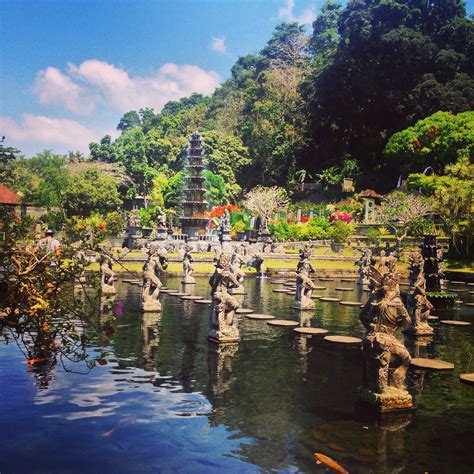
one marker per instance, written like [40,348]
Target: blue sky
[69,69]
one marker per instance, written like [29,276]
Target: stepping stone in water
[283,323]
[330,300]
[164,288]
[343,339]
[192,298]
[467,378]
[178,293]
[262,317]
[311,331]
[343,288]
[469,304]
[349,303]
[433,318]
[278,282]
[320,288]
[452,322]
[316,297]
[326,279]
[166,291]
[279,290]
[457,282]
[203,301]
[244,311]
[433,364]
[289,283]
[348,280]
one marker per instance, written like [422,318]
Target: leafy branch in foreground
[39,309]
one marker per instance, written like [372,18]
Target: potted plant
[339,232]
[239,227]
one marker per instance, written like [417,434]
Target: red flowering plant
[217,212]
[304,219]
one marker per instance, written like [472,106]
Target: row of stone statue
[386,359]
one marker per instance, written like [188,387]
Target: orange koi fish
[32,361]
[330,463]
[122,423]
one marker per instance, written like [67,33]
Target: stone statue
[217,251]
[222,320]
[383,262]
[304,285]
[256,261]
[236,266]
[419,307]
[188,267]
[225,222]
[364,263]
[386,359]
[161,218]
[107,275]
[415,263]
[133,219]
[154,265]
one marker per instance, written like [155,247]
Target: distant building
[11,200]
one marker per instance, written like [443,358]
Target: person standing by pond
[50,244]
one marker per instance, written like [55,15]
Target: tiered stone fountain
[193,222]
[433,261]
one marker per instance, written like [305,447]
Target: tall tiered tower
[194,206]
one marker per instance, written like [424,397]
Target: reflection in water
[221,378]
[267,403]
[150,338]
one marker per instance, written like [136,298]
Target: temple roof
[370,193]
[7,196]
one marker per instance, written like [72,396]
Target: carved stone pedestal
[419,331]
[304,303]
[220,339]
[151,306]
[391,400]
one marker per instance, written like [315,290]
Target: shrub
[339,231]
[374,234]
[115,223]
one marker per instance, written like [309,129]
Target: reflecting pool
[167,401]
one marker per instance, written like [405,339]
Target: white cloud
[286,13]
[48,132]
[93,84]
[54,87]
[218,44]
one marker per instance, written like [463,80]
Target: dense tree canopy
[378,89]
[435,142]
[395,62]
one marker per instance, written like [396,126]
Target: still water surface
[167,401]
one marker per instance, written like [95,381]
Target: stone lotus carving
[155,264]
[304,285]
[222,318]
[386,359]
[107,275]
[188,267]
